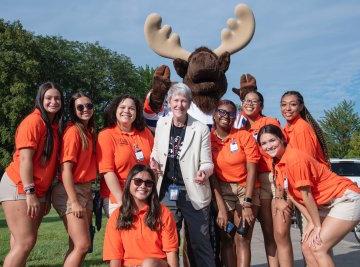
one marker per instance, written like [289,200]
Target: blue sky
[310,46]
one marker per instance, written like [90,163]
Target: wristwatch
[248,199]
[30,190]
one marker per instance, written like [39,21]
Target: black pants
[197,223]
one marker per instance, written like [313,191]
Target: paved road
[347,252]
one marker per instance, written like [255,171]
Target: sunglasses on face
[88,106]
[139,182]
[224,113]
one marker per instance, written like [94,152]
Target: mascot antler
[239,32]
[161,40]
[234,38]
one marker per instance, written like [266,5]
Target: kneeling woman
[142,232]
[331,202]
[72,197]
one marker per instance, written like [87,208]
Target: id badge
[233,146]
[139,155]
[174,192]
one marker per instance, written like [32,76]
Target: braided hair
[305,114]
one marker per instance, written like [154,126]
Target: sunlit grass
[51,244]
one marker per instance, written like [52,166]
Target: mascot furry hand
[203,70]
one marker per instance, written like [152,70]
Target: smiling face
[272,145]
[179,106]
[84,109]
[290,107]
[52,101]
[126,112]
[251,105]
[224,116]
[141,186]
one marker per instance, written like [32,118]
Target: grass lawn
[51,244]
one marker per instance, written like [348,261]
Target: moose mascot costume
[203,71]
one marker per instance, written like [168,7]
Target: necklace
[179,124]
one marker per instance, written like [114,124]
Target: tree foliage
[341,125]
[27,60]
[354,150]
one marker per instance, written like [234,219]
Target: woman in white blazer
[182,158]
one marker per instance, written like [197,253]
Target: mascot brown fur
[202,70]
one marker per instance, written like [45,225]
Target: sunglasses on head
[88,106]
[139,182]
[224,113]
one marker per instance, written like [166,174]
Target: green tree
[18,78]
[354,150]
[340,124]
[27,60]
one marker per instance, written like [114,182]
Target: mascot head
[202,70]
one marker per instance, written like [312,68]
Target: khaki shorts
[109,207]
[62,205]
[9,191]
[233,195]
[267,185]
[346,207]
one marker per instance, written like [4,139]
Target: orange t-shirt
[115,152]
[231,155]
[84,160]
[265,162]
[300,135]
[133,245]
[31,133]
[298,169]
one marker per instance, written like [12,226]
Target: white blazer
[195,155]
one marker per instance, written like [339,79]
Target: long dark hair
[126,216]
[39,104]
[79,125]
[305,114]
[110,112]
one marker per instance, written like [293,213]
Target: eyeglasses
[251,102]
[139,182]
[224,113]
[88,106]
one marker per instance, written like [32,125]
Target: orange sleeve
[105,153]
[70,146]
[28,133]
[301,173]
[113,247]
[169,236]
[249,146]
[150,137]
[305,141]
